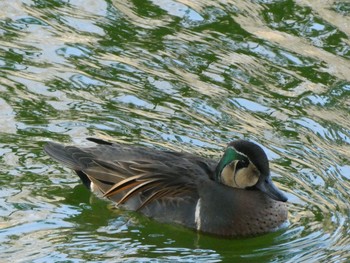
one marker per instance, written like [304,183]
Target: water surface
[182,75]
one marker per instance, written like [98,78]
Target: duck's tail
[71,157]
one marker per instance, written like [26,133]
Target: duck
[232,197]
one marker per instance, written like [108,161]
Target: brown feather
[142,186]
[154,196]
[124,184]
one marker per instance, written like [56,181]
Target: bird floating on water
[233,197]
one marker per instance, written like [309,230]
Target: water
[183,75]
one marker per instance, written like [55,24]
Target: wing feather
[123,172]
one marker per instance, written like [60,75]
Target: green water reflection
[180,75]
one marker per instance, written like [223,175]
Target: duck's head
[245,165]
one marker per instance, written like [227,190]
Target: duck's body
[226,199]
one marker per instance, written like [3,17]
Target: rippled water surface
[183,75]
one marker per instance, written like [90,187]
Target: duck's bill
[269,188]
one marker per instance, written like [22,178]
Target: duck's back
[80,158]
[106,164]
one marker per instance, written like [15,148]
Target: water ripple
[180,75]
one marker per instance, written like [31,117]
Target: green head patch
[229,156]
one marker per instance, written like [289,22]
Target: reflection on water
[185,76]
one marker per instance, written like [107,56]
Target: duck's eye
[242,163]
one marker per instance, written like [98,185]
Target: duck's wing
[125,173]
[154,181]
